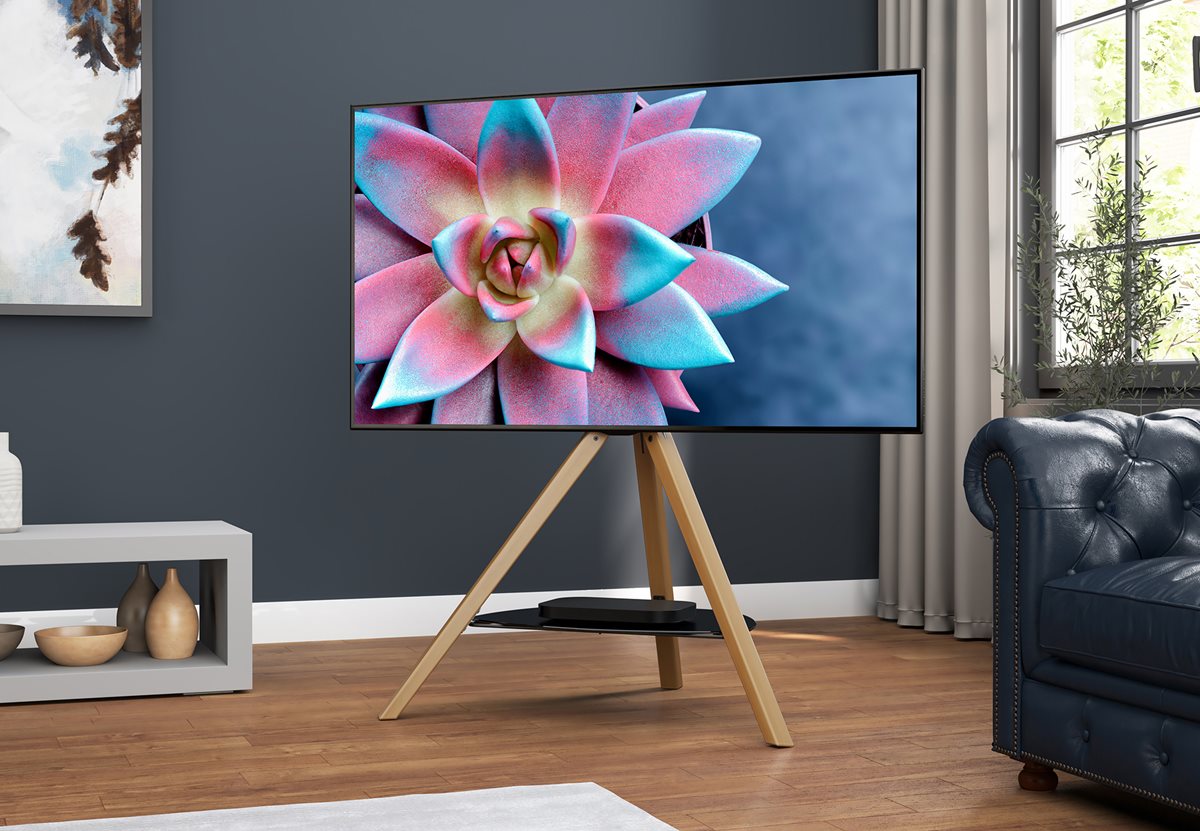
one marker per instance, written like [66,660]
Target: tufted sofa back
[1063,495]
[1098,487]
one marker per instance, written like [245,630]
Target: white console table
[223,661]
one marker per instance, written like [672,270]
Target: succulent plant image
[527,261]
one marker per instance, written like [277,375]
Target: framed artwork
[75,113]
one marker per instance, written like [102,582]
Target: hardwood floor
[892,731]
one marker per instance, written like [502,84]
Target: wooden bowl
[81,646]
[10,637]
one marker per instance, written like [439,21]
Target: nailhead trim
[996,598]
[1104,780]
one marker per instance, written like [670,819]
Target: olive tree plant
[1100,300]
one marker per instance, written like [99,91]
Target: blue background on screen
[829,207]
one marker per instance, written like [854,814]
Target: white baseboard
[399,617]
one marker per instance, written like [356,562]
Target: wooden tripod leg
[716,585]
[658,558]
[526,529]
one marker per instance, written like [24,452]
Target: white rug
[577,807]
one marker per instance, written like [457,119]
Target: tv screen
[741,255]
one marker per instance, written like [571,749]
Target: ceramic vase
[134,605]
[10,489]
[172,624]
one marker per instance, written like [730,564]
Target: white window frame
[1130,127]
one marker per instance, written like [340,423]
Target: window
[1124,79]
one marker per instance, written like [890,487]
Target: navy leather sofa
[1096,526]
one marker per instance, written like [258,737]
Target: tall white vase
[10,489]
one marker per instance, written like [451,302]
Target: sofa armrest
[1068,494]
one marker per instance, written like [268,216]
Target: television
[739,255]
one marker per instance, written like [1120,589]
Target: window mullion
[1132,56]
[1134,239]
[1080,22]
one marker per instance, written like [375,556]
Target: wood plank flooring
[892,731]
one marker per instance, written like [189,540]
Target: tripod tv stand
[659,468]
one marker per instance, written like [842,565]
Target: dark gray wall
[231,402]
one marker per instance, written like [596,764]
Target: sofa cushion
[1153,697]
[1138,620]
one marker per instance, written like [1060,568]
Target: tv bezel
[629,429]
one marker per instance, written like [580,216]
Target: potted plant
[1101,301]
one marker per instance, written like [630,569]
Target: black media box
[656,612]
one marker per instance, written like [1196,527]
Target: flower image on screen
[737,256]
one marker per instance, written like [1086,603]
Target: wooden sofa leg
[1036,777]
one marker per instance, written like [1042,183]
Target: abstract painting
[73,110]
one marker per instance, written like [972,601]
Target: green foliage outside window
[1102,299]
[1112,300]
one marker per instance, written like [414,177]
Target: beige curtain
[934,559]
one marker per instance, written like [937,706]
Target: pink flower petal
[557,232]
[520,249]
[671,181]
[405,114]
[589,132]
[723,284]
[533,391]
[518,168]
[562,328]
[667,330]
[472,403]
[389,300]
[456,248]
[535,277]
[377,242]
[366,385]
[499,273]
[447,345]
[664,117]
[499,310]
[620,395]
[620,261]
[458,124]
[416,180]
[504,228]
[671,391]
